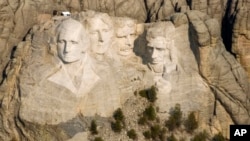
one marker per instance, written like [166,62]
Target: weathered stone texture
[125,8]
[163,9]
[241,38]
[224,75]
[39,102]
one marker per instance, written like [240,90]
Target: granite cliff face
[17,17]
[60,73]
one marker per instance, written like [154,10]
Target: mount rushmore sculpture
[88,65]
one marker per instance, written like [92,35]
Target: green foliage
[150,113]
[191,123]
[118,115]
[135,93]
[152,94]
[162,135]
[142,120]
[218,137]
[175,118]
[98,139]
[149,94]
[202,136]
[116,126]
[171,123]
[93,128]
[147,134]
[120,121]
[143,93]
[132,134]
[177,114]
[171,138]
[155,131]
[182,139]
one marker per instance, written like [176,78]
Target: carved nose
[100,36]
[154,53]
[128,40]
[67,48]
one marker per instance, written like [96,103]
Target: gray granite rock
[50,94]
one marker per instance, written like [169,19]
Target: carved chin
[100,49]
[157,68]
[69,59]
[125,51]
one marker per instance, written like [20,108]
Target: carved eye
[132,35]
[74,42]
[105,30]
[60,41]
[93,32]
[150,49]
[119,36]
[160,49]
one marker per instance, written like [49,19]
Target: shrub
[171,138]
[155,131]
[135,93]
[119,123]
[182,139]
[143,93]
[98,139]
[202,136]
[116,126]
[118,115]
[149,94]
[177,114]
[162,135]
[218,137]
[93,128]
[175,118]
[147,134]
[142,120]
[152,94]
[132,134]
[191,123]
[171,123]
[150,113]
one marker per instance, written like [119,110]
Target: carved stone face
[159,43]
[100,35]
[126,33]
[158,50]
[125,39]
[69,43]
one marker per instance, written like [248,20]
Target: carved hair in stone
[100,26]
[159,44]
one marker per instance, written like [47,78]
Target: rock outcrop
[229,79]
[22,15]
[17,17]
[60,73]
[241,38]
